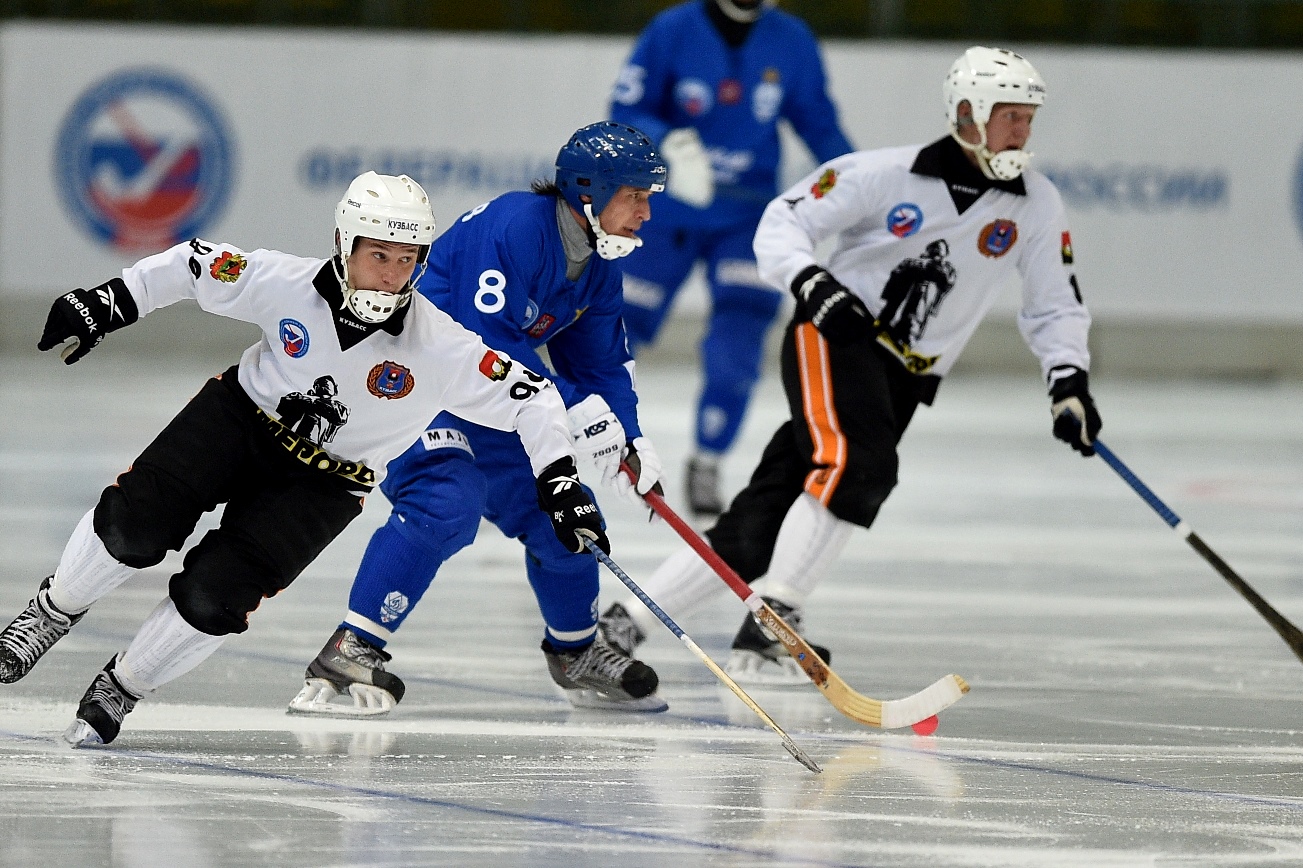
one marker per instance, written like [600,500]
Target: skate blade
[362,700]
[587,698]
[81,734]
[751,669]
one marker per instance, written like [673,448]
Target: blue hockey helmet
[603,157]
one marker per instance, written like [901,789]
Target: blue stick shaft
[633,586]
[1141,489]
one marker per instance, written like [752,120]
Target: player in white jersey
[923,238]
[350,369]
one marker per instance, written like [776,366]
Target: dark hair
[545,188]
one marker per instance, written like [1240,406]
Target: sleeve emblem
[494,366]
[1067,248]
[227,267]
[826,182]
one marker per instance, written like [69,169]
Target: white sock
[86,570]
[809,540]
[679,585]
[165,647]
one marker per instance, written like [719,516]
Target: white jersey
[927,243]
[342,395]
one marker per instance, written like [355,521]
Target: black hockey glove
[85,316]
[570,507]
[1076,421]
[832,308]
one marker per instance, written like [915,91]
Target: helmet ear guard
[598,160]
[386,208]
[983,77]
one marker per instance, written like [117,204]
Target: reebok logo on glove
[570,508]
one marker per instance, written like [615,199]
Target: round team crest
[904,220]
[390,380]
[294,338]
[143,160]
[694,96]
[997,238]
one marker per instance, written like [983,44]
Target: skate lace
[32,633]
[360,652]
[107,696]
[601,660]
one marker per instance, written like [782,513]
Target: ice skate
[760,660]
[599,676]
[703,487]
[32,633]
[619,629]
[103,707]
[350,667]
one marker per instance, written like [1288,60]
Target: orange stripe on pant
[830,448]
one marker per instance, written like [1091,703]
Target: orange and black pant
[850,405]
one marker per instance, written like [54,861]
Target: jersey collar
[945,159]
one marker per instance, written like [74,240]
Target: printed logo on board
[144,160]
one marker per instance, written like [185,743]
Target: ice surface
[1127,707]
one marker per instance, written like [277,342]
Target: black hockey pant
[279,513]
[850,405]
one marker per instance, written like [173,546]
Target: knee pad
[747,553]
[132,541]
[207,612]
[862,491]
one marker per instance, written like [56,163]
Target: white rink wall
[1181,170]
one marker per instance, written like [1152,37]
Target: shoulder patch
[1066,249]
[826,182]
[494,366]
[227,267]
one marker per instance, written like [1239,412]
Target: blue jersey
[683,74]
[500,271]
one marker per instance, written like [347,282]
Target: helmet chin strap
[610,246]
[1004,166]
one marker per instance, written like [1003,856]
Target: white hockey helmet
[983,77]
[387,208]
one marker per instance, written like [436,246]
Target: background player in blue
[519,271]
[709,80]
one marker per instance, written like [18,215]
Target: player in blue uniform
[709,80]
[519,271]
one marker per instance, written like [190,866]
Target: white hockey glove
[599,436]
[692,179]
[642,459]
